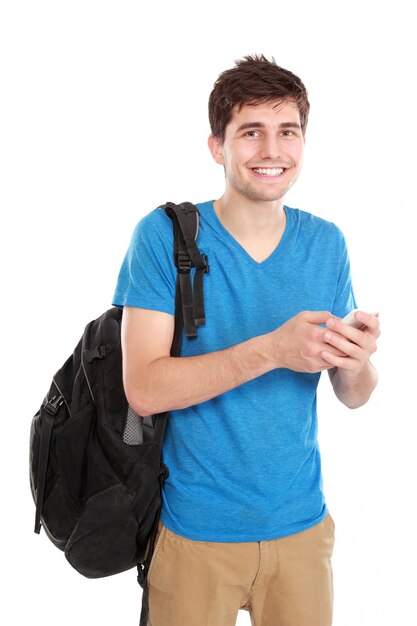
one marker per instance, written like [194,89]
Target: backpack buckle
[52,406]
[99,352]
[142,573]
[184,263]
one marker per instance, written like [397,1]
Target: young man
[244,521]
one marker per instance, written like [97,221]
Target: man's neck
[248,220]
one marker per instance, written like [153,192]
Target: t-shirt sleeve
[148,274]
[344,300]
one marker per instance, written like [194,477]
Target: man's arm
[156,382]
[353,376]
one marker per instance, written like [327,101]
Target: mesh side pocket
[133,433]
[138,429]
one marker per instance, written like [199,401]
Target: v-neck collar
[277,250]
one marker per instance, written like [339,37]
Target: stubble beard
[248,190]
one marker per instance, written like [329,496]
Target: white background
[103,118]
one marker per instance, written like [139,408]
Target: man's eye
[288,133]
[252,133]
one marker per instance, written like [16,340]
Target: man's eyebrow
[290,125]
[248,125]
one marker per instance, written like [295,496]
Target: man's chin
[255,193]
[257,196]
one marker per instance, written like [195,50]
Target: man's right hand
[297,344]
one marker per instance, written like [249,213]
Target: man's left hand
[357,344]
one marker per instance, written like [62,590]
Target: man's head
[258,115]
[254,80]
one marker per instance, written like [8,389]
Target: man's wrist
[354,387]
[268,348]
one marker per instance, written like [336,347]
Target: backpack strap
[48,410]
[190,301]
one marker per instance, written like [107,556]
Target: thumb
[316,317]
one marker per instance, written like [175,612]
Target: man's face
[262,150]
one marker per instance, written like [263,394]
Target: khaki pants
[283,582]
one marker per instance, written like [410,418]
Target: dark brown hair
[254,80]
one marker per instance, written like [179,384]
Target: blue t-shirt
[244,466]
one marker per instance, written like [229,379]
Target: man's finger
[369,320]
[316,317]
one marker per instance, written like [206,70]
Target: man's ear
[216,149]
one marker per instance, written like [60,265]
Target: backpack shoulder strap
[189,302]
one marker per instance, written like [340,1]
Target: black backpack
[95,466]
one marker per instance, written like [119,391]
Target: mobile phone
[351,321]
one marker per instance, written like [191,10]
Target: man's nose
[271,148]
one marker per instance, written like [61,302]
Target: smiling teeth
[269,171]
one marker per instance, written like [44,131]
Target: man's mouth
[269,171]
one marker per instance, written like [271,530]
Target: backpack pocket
[104,540]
